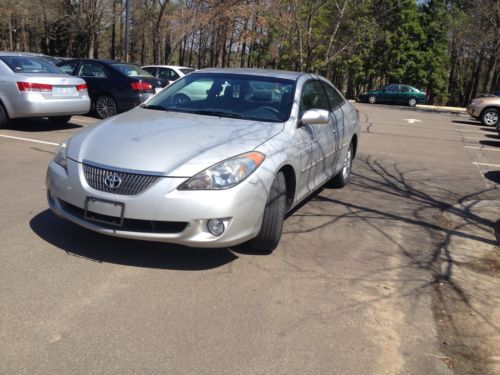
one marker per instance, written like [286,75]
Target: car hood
[171,143]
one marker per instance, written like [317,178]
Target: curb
[426,108]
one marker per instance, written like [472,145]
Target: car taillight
[82,87]
[34,87]
[141,86]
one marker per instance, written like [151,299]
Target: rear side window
[334,98]
[93,70]
[313,97]
[22,64]
[69,68]
[150,70]
[169,74]
[131,70]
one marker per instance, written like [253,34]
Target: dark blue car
[113,86]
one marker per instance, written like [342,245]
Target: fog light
[215,227]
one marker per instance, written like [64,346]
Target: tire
[59,120]
[4,118]
[105,107]
[342,178]
[372,99]
[273,218]
[412,102]
[490,117]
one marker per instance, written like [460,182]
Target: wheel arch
[291,184]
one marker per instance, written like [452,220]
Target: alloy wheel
[491,118]
[105,107]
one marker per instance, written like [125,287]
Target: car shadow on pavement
[477,123]
[490,143]
[493,176]
[80,242]
[37,125]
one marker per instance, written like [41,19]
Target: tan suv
[486,109]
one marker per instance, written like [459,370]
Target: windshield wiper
[155,107]
[218,114]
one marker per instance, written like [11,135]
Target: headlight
[61,157]
[226,174]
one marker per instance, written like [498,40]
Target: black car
[113,86]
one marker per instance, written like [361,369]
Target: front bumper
[474,111]
[241,208]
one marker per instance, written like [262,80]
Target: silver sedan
[32,87]
[214,160]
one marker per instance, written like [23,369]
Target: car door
[338,126]
[96,76]
[389,94]
[318,140]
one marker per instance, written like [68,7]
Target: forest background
[449,48]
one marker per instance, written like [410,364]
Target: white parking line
[486,164]
[29,140]
[483,148]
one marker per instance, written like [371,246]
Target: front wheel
[342,178]
[372,99]
[274,216]
[412,102]
[489,117]
[59,120]
[105,106]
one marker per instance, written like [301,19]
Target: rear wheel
[274,216]
[4,119]
[105,106]
[59,119]
[372,99]
[341,179]
[490,117]
[412,102]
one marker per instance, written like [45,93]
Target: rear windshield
[131,70]
[23,64]
[186,70]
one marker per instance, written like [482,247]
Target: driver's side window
[313,97]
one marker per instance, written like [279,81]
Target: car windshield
[132,70]
[24,64]
[186,71]
[247,97]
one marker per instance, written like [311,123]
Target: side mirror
[315,116]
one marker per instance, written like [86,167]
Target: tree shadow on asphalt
[84,243]
[39,125]
[418,203]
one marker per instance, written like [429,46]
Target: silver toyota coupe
[214,160]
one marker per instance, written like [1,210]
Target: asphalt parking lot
[374,278]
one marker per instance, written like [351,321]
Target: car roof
[256,72]
[166,66]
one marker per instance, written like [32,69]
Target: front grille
[131,225]
[131,183]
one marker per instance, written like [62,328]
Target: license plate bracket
[104,211]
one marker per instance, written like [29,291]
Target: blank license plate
[64,91]
[104,211]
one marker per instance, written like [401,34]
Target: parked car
[208,172]
[170,73]
[113,86]
[398,94]
[31,87]
[485,109]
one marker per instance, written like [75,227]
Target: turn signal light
[141,86]
[34,87]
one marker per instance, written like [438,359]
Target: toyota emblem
[113,181]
